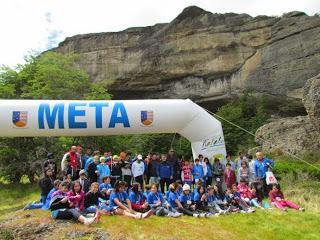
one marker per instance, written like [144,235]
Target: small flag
[147,118]
[20,118]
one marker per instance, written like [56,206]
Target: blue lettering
[123,118]
[98,107]
[73,113]
[44,110]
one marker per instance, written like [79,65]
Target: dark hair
[216,159]
[277,185]
[135,187]
[56,183]
[200,155]
[198,189]
[197,160]
[105,178]
[179,182]
[64,184]
[73,184]
[119,184]
[234,185]
[243,180]
[147,187]
[228,164]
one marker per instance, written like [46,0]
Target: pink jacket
[77,200]
[244,191]
[186,173]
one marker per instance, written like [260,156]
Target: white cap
[139,157]
[186,187]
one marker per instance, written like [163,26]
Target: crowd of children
[162,185]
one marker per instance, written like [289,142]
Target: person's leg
[278,205]
[162,182]
[91,209]
[168,182]
[255,203]
[32,206]
[291,204]
[43,199]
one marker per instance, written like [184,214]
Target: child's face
[82,176]
[228,167]
[201,190]
[215,188]
[77,187]
[186,163]
[228,191]
[63,189]
[107,181]
[154,189]
[197,162]
[275,189]
[94,189]
[122,188]
[49,173]
[211,191]
[253,190]
[186,192]
[234,188]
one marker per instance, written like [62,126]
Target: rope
[252,134]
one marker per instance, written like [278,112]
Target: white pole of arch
[37,118]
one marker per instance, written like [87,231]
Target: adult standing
[73,159]
[93,172]
[261,166]
[138,170]
[173,160]
[152,169]
[165,173]
[126,168]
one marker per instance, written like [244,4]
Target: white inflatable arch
[37,118]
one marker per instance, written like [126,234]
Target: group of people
[96,184]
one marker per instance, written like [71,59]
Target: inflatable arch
[33,118]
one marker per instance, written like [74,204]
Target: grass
[264,224]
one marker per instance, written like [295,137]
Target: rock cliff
[205,56]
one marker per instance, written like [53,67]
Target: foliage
[248,112]
[48,76]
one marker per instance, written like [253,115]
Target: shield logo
[20,118]
[146,118]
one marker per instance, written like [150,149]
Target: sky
[36,25]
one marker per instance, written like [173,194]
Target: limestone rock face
[311,100]
[296,135]
[205,56]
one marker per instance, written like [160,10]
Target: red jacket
[229,177]
[273,195]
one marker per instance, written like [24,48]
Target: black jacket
[46,184]
[92,199]
[92,168]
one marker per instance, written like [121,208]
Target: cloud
[39,25]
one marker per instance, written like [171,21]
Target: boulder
[295,135]
[311,100]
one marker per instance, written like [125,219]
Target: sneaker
[242,211]
[250,210]
[195,215]
[203,215]
[176,214]
[26,207]
[89,220]
[147,214]
[301,209]
[170,214]
[97,217]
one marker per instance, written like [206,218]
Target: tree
[48,76]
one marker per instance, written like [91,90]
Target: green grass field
[300,187]
[268,224]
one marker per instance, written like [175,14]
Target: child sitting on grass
[76,196]
[277,199]
[60,207]
[121,205]
[158,204]
[105,188]
[91,201]
[138,200]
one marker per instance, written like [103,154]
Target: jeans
[161,211]
[34,206]
[68,214]
[139,179]
[91,209]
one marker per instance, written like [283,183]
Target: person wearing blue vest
[261,166]
[90,160]
[197,171]
[165,173]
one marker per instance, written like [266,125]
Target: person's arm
[108,171]
[82,202]
[129,204]
[120,205]
[133,168]
[255,168]
[182,176]
[178,203]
